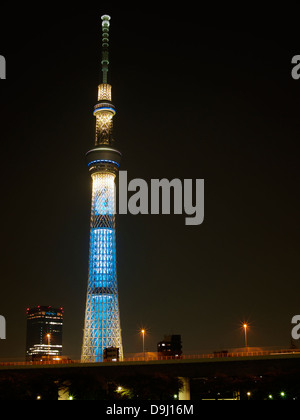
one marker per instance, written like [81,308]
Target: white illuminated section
[104,193]
[104,92]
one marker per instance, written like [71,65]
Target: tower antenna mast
[105,46]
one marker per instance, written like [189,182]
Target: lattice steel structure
[102,327]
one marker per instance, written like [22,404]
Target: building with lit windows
[102,329]
[44,333]
[171,346]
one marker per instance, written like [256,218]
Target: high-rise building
[44,333]
[102,327]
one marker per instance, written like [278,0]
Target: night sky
[198,96]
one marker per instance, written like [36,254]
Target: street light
[49,337]
[246,341]
[143,334]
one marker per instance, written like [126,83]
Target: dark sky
[199,95]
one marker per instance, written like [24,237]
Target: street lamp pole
[48,336]
[246,339]
[143,333]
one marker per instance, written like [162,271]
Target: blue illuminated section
[107,109]
[103,258]
[103,161]
[103,300]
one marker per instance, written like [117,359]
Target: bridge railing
[41,363]
[221,355]
[217,355]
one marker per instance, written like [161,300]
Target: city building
[111,354]
[102,327]
[44,333]
[171,346]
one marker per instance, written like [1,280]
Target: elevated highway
[189,367]
[190,370]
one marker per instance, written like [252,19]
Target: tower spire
[105,46]
[104,110]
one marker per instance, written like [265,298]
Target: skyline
[216,104]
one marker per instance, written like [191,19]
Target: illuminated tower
[102,318]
